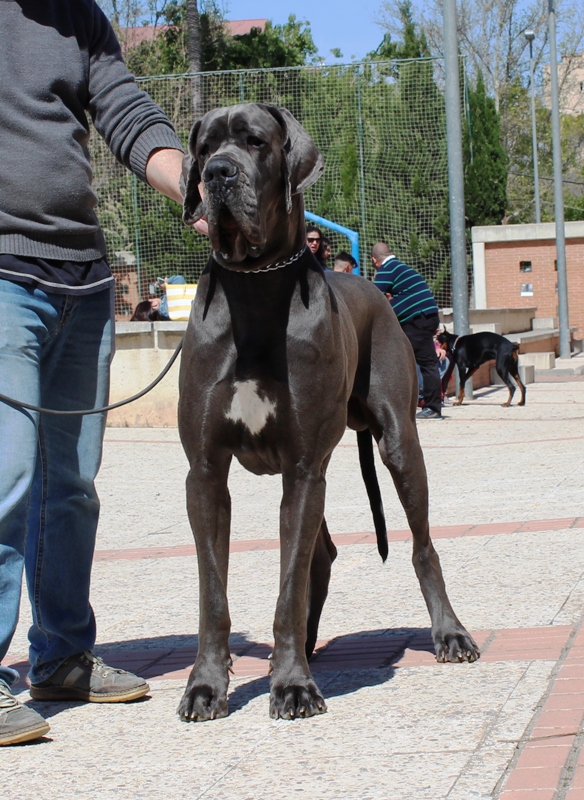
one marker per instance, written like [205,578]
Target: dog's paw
[292,702]
[456,647]
[201,702]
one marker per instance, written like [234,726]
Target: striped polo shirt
[410,295]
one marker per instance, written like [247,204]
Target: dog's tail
[367,462]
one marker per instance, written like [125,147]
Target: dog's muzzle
[220,175]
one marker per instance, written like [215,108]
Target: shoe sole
[70,693]
[25,736]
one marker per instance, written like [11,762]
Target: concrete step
[564,366]
[544,323]
[538,360]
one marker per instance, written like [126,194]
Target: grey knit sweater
[59,60]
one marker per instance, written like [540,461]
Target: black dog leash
[18,404]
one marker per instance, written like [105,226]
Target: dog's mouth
[233,240]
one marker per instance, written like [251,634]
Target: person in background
[324,251]
[60,62]
[313,237]
[344,262]
[163,307]
[444,371]
[417,313]
[147,311]
[155,309]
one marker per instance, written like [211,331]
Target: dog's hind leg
[509,366]
[325,553]
[503,367]
[401,452]
[209,509]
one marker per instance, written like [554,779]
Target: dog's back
[484,346]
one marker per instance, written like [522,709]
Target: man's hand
[201,226]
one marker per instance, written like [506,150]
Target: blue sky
[334,23]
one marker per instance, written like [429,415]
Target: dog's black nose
[220,172]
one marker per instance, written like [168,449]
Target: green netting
[381,128]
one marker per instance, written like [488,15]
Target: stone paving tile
[507,498]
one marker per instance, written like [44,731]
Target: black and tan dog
[279,357]
[469,352]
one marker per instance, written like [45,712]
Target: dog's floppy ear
[189,181]
[302,160]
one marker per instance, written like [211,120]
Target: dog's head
[252,162]
[446,339]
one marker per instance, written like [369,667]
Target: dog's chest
[250,406]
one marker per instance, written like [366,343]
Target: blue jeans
[55,351]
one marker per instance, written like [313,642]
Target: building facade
[514,266]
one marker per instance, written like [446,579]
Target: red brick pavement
[343,539]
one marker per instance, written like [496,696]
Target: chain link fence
[381,128]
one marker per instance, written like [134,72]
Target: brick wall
[504,278]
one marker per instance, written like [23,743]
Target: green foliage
[288,45]
[414,43]
[166,53]
[349,171]
[485,161]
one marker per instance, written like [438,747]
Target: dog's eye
[253,141]
[204,151]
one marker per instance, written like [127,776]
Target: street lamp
[530,36]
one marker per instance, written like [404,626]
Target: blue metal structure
[351,235]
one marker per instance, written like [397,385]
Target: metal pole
[530,36]
[565,351]
[455,174]
[361,173]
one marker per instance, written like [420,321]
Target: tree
[491,35]
[413,44]
[288,45]
[485,161]
[410,153]
[197,40]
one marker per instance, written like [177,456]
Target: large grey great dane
[279,357]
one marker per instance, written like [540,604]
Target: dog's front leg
[209,509]
[293,690]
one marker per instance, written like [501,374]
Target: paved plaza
[507,518]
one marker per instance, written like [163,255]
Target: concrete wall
[510,320]
[497,253]
[142,351]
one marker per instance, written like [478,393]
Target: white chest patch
[248,407]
